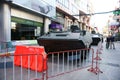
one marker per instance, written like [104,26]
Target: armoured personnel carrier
[65,40]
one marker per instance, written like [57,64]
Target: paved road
[110,64]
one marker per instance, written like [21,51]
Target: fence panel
[63,62]
[23,66]
[27,64]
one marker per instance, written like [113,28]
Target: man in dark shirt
[112,39]
[107,42]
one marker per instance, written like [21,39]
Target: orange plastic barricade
[36,62]
[18,51]
[21,55]
[25,51]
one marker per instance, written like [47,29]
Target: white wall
[46,25]
[25,15]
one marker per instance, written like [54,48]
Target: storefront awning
[25,21]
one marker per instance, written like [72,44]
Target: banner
[45,7]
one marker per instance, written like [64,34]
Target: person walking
[107,42]
[112,40]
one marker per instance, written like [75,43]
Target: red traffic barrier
[38,62]
[33,57]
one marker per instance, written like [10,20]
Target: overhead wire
[94,13]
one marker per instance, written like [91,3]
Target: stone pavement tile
[82,74]
[110,72]
[110,63]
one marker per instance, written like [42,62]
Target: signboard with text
[44,7]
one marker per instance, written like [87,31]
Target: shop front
[23,29]
[22,22]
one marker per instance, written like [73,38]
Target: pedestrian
[107,41]
[112,40]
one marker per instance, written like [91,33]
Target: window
[23,29]
[24,32]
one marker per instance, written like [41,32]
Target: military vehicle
[96,37]
[71,39]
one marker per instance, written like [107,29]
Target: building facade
[21,22]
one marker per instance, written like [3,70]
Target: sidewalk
[110,63]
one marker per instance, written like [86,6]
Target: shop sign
[44,7]
[116,12]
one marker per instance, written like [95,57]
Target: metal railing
[63,62]
[22,66]
[34,66]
